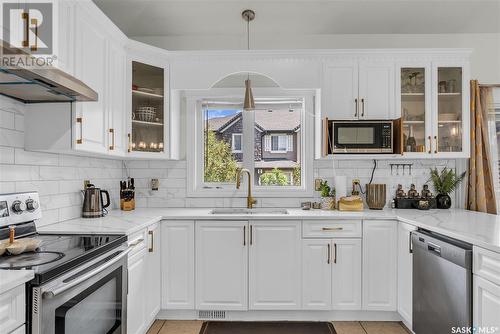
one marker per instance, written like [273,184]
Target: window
[236,143]
[279,143]
[267,141]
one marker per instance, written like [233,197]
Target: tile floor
[342,327]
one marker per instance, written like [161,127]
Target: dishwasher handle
[433,248]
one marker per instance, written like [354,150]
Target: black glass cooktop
[60,253]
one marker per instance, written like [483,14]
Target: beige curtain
[480,189]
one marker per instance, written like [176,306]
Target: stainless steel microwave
[360,137]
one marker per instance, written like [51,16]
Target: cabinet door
[316,275]
[405,272]
[376,90]
[136,303]
[116,102]
[221,265]
[379,265]
[177,264]
[153,276]
[275,265]
[91,67]
[340,84]
[415,108]
[486,303]
[450,105]
[346,274]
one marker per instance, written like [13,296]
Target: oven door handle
[64,287]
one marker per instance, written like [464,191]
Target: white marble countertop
[479,229]
[10,279]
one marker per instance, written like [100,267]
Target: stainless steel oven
[360,137]
[91,298]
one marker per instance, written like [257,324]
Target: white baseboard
[286,315]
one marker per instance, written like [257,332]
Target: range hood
[41,84]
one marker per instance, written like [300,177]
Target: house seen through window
[275,140]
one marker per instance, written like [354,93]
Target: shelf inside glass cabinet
[413,109]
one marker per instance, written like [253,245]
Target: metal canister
[376,196]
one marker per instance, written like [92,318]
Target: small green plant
[324,188]
[445,181]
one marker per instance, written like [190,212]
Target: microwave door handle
[64,287]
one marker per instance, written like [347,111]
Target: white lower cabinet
[405,272]
[486,303]
[380,265]
[136,301]
[331,274]
[275,265]
[177,265]
[153,273]
[12,309]
[346,274]
[221,265]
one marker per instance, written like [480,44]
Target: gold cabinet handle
[328,258]
[251,235]
[362,107]
[151,234]
[334,253]
[35,23]
[327,137]
[356,108]
[26,17]
[430,145]
[244,235]
[80,120]
[129,137]
[112,146]
[436,144]
[332,228]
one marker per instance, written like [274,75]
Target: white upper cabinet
[117,143]
[376,90]
[148,105]
[91,64]
[379,265]
[221,265]
[341,91]
[275,265]
[358,90]
[432,101]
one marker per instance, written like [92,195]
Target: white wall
[57,177]
[485,60]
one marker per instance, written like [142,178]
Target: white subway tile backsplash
[7,119]
[42,187]
[19,172]
[6,155]
[11,138]
[23,157]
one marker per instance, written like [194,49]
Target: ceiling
[315,17]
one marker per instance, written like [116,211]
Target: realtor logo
[27,27]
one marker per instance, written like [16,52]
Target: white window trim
[194,139]
[232,142]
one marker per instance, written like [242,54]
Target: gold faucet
[250,200]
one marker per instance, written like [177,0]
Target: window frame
[194,139]
[233,150]
[278,135]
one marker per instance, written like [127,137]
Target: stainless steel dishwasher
[442,283]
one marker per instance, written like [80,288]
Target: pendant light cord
[248,41]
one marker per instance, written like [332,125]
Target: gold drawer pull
[80,121]
[332,228]
[112,132]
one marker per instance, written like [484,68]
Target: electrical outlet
[356,181]
[317,184]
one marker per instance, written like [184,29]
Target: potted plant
[445,182]
[327,196]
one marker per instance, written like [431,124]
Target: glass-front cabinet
[433,100]
[148,108]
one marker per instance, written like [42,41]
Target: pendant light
[249,103]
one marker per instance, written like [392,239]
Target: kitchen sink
[240,211]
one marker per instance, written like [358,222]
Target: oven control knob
[31,205]
[18,206]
